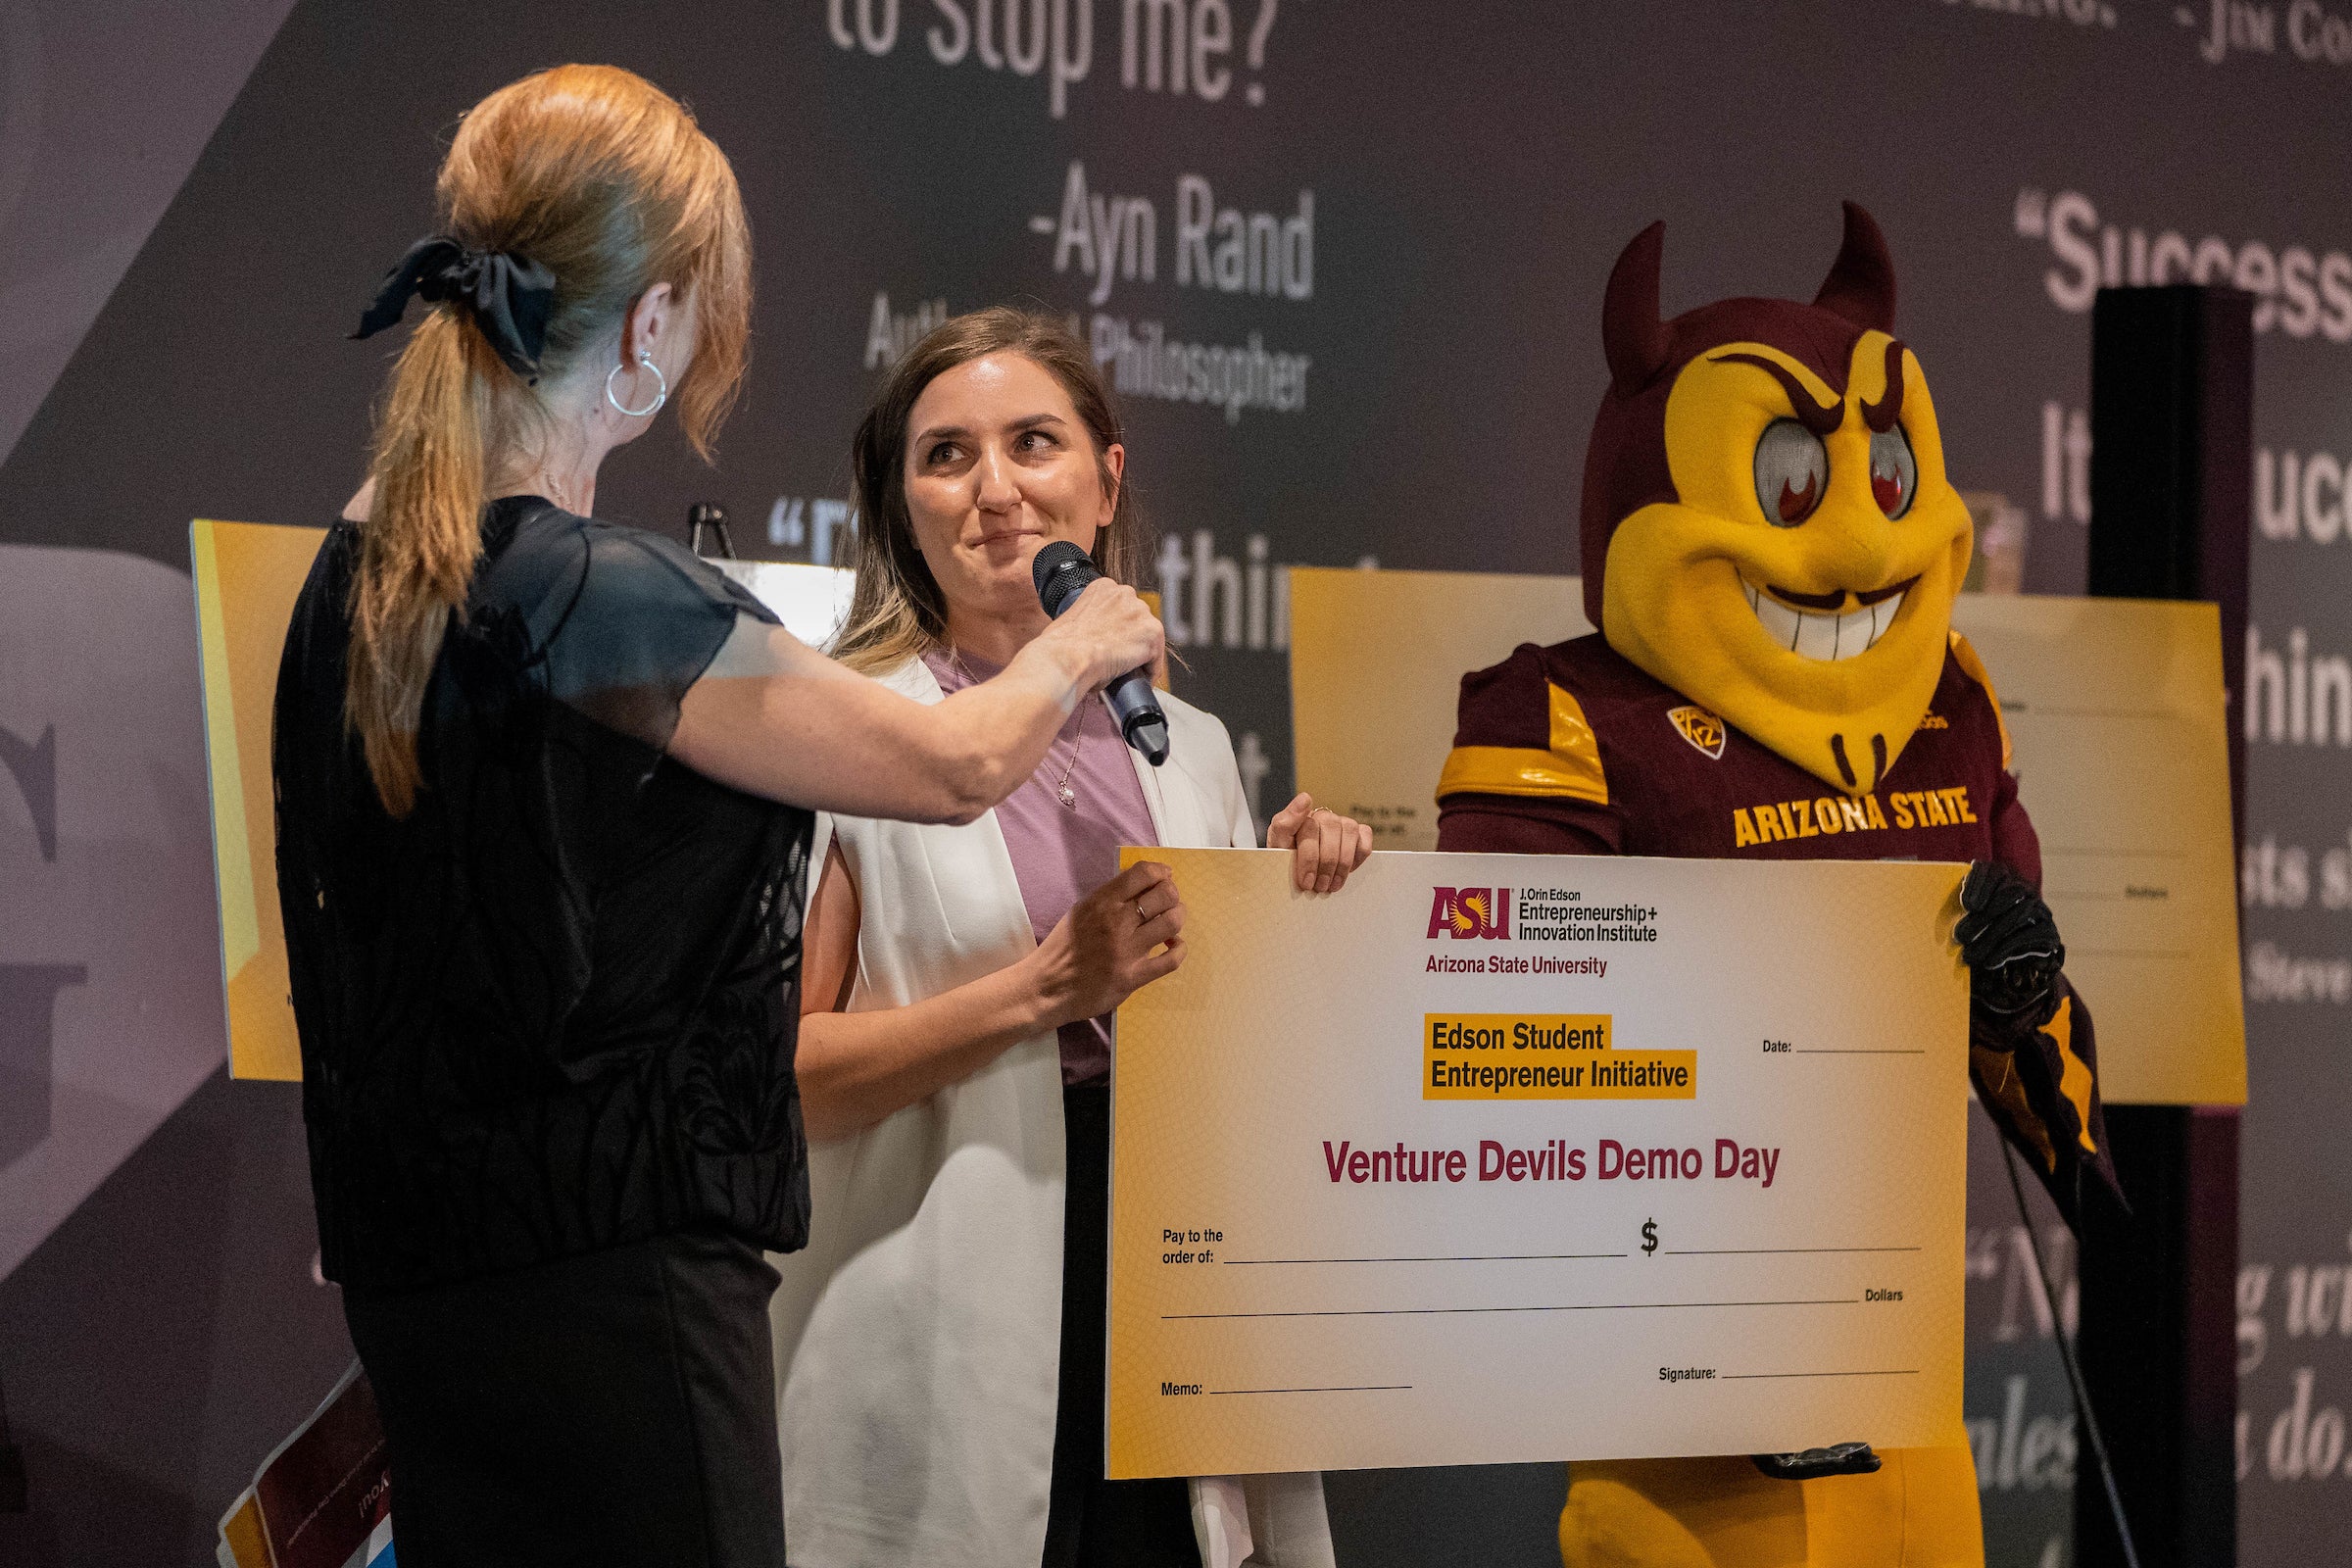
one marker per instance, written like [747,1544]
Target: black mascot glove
[1840,1459]
[2009,940]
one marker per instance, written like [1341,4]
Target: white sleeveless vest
[918,1338]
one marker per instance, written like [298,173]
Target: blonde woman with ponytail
[544,793]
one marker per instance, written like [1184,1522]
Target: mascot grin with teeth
[1771,551]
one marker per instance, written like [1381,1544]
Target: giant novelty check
[1489,1158]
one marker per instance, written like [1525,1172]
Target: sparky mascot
[1771,551]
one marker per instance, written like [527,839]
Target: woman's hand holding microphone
[1105,632]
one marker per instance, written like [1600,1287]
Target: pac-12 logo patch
[1700,728]
[1471,913]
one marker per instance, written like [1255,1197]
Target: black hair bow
[510,296]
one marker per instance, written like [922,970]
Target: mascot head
[1767,524]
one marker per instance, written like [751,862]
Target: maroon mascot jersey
[1662,775]
[1570,750]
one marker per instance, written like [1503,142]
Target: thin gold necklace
[1062,792]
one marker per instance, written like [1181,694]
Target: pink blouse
[1062,852]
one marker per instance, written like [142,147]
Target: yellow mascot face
[1796,569]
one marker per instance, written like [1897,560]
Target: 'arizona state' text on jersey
[1571,749]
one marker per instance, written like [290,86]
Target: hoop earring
[661,396]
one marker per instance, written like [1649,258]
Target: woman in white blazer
[939,1367]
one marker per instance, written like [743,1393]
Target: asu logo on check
[1469,914]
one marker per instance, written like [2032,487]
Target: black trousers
[1091,1522]
[615,1408]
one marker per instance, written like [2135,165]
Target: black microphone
[1062,572]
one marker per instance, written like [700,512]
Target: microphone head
[1060,571]
[1148,734]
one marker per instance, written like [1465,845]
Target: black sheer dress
[547,1028]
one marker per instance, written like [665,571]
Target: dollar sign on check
[1649,1235]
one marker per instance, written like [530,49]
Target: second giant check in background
[1491,1158]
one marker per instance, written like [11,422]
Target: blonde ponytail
[604,180]
[424,533]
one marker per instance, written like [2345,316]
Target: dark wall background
[1473,167]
